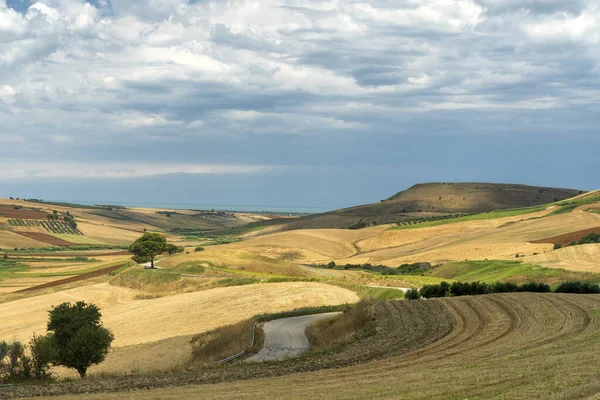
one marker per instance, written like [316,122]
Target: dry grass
[224,256]
[511,346]
[576,258]
[10,240]
[225,341]
[144,321]
[356,323]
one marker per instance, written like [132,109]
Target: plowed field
[22,213]
[44,237]
[509,346]
[567,238]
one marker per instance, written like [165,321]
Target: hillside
[429,200]
[34,224]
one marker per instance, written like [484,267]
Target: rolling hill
[430,200]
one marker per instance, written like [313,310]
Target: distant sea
[219,207]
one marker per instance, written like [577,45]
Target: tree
[172,249]
[147,247]
[71,221]
[43,353]
[78,336]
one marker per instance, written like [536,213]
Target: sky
[298,103]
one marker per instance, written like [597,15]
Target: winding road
[285,338]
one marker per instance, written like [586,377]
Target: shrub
[43,352]
[504,287]
[412,294]
[430,291]
[537,287]
[199,248]
[15,365]
[557,246]
[577,287]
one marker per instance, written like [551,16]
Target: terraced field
[508,346]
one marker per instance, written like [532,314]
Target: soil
[22,213]
[72,279]
[44,237]
[567,238]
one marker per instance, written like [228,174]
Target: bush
[15,365]
[43,352]
[577,287]
[430,291]
[199,248]
[537,287]
[557,246]
[504,287]
[412,294]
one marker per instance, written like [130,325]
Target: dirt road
[285,337]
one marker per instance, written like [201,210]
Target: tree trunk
[82,371]
[152,263]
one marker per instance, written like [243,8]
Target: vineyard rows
[58,227]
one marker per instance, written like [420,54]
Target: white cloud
[118,170]
[183,71]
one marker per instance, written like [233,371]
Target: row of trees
[404,269]
[75,339]
[444,289]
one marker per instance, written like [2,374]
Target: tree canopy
[78,336]
[147,247]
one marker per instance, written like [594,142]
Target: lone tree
[147,247]
[78,336]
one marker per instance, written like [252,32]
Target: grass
[137,278]
[225,341]
[301,311]
[78,239]
[188,267]
[564,209]
[355,323]
[592,198]
[56,249]
[9,269]
[490,271]
[476,217]
[371,293]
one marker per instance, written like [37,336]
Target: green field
[514,271]
[77,239]
[475,217]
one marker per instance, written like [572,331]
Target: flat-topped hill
[473,197]
[433,199]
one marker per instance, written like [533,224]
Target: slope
[429,200]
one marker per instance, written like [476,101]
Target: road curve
[285,337]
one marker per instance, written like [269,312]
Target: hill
[431,200]
[34,224]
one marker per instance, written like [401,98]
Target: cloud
[273,82]
[120,170]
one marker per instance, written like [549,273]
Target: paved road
[285,337]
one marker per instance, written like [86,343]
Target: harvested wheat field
[585,257]
[143,321]
[224,256]
[509,346]
[326,246]
[11,240]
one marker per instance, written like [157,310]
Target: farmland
[221,279]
